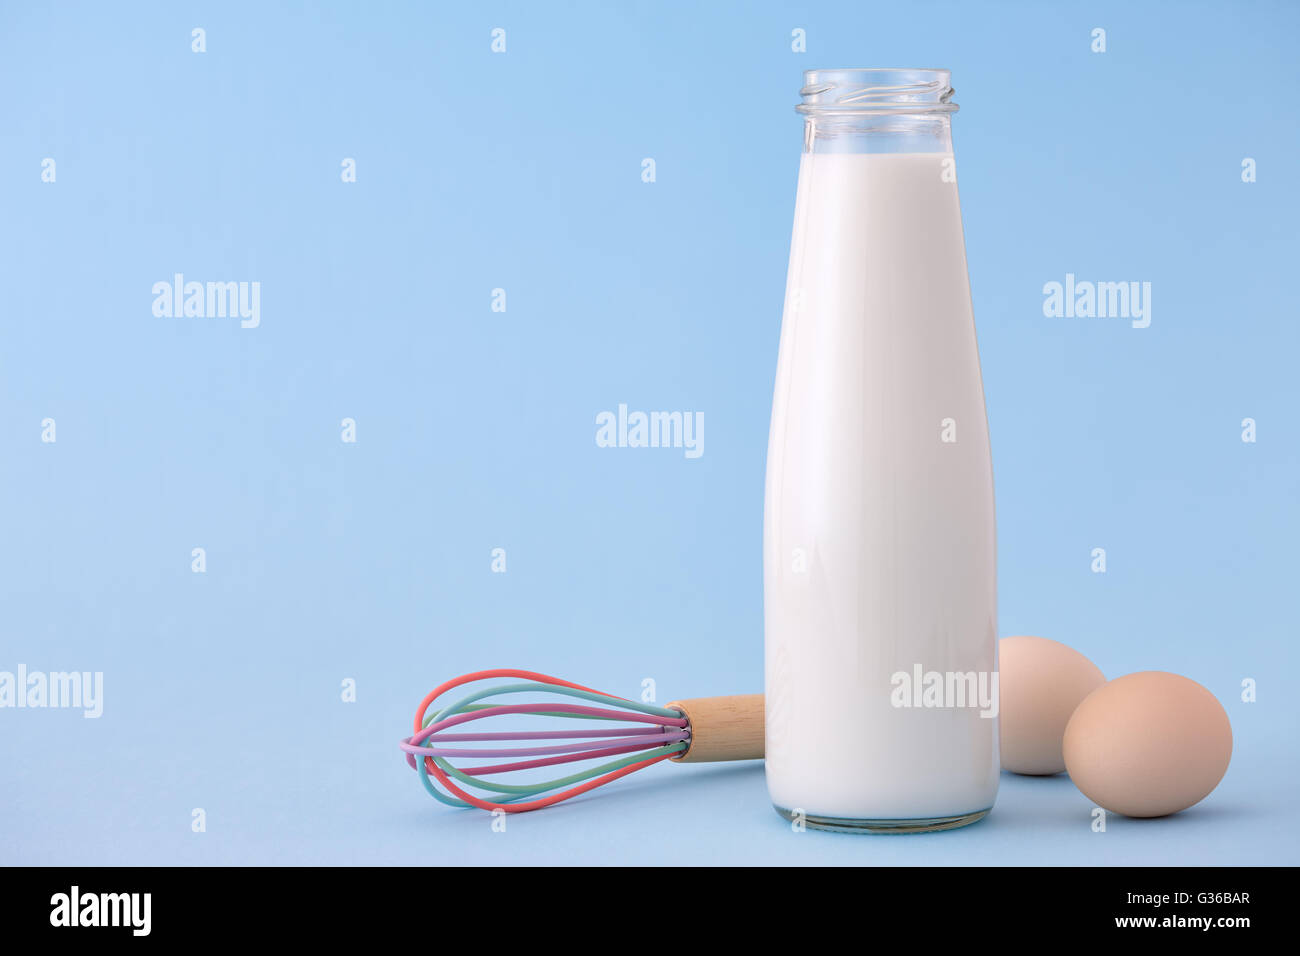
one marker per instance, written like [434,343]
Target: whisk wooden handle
[723,728]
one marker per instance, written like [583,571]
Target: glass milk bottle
[878,540]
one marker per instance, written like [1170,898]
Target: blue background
[475,429]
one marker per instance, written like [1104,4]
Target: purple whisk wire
[547,734]
[583,755]
[662,731]
[656,741]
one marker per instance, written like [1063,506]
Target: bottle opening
[867,91]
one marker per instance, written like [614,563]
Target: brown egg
[1040,682]
[1148,744]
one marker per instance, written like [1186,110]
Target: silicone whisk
[635,734]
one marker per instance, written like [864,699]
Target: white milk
[879,550]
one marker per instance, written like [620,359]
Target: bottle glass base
[908,825]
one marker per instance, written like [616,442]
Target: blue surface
[371,561]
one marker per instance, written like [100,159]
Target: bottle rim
[867,90]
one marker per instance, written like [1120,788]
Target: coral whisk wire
[637,735]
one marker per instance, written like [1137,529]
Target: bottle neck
[877,111]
